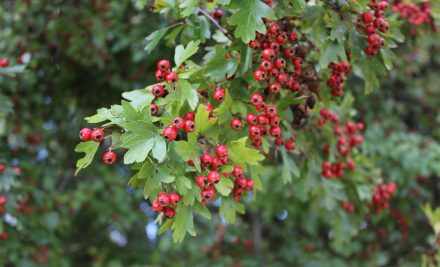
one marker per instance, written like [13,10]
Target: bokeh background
[80,55]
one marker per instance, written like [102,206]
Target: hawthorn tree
[255,116]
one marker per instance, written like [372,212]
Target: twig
[216,24]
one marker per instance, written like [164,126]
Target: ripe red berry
[280,63]
[216,163]
[279,141]
[4,62]
[202,181]
[249,184]
[218,13]
[158,90]
[254,131]
[370,29]
[154,109]
[163,65]
[282,77]
[3,200]
[274,88]
[251,119]
[156,207]
[293,36]
[268,54]
[225,159]
[367,17]
[236,124]
[190,116]
[270,111]
[265,65]
[259,75]
[290,145]
[85,134]
[209,107]
[254,44]
[275,131]
[256,99]
[262,120]
[172,77]
[4,236]
[221,151]
[289,52]
[163,199]
[174,198]
[298,62]
[206,160]
[274,28]
[237,171]
[213,177]
[169,212]
[219,95]
[169,134]
[97,135]
[109,157]
[282,38]
[160,76]
[178,123]
[240,183]
[207,194]
[360,126]
[190,126]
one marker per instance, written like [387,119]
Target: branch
[216,24]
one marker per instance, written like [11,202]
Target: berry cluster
[347,136]
[98,135]
[373,23]
[187,124]
[241,184]
[163,74]
[415,14]
[165,202]
[347,206]
[381,196]
[336,81]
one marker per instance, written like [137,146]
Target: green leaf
[218,66]
[183,53]
[152,188]
[192,195]
[160,148]
[333,51]
[185,92]
[202,210]
[188,7]
[154,38]
[129,113]
[188,151]
[147,170]
[229,209]
[224,186]
[165,227]
[298,4]
[139,98]
[223,112]
[203,122]
[138,140]
[289,168]
[241,155]
[249,18]
[183,184]
[183,223]
[90,149]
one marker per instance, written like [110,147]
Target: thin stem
[216,24]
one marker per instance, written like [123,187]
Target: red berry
[4,235]
[274,88]
[4,62]
[178,123]
[268,54]
[262,120]
[251,119]
[85,134]
[249,184]
[275,131]
[169,134]
[207,194]
[172,77]
[259,75]
[236,124]
[209,107]
[218,13]
[3,200]
[282,38]
[163,65]
[360,126]
[206,160]
[367,17]
[254,131]
[370,29]
[154,109]
[270,111]
[240,183]
[298,62]
[163,199]
[221,151]
[202,181]
[265,65]
[190,126]
[282,77]
[156,207]
[109,157]
[225,159]
[288,52]
[213,177]
[290,145]
[160,76]
[293,36]
[274,28]
[351,127]
[279,141]
[280,63]
[158,90]
[216,163]
[254,44]
[256,99]
[174,198]
[237,171]
[97,135]
[190,116]
[219,95]
[169,212]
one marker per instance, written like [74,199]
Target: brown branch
[216,24]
